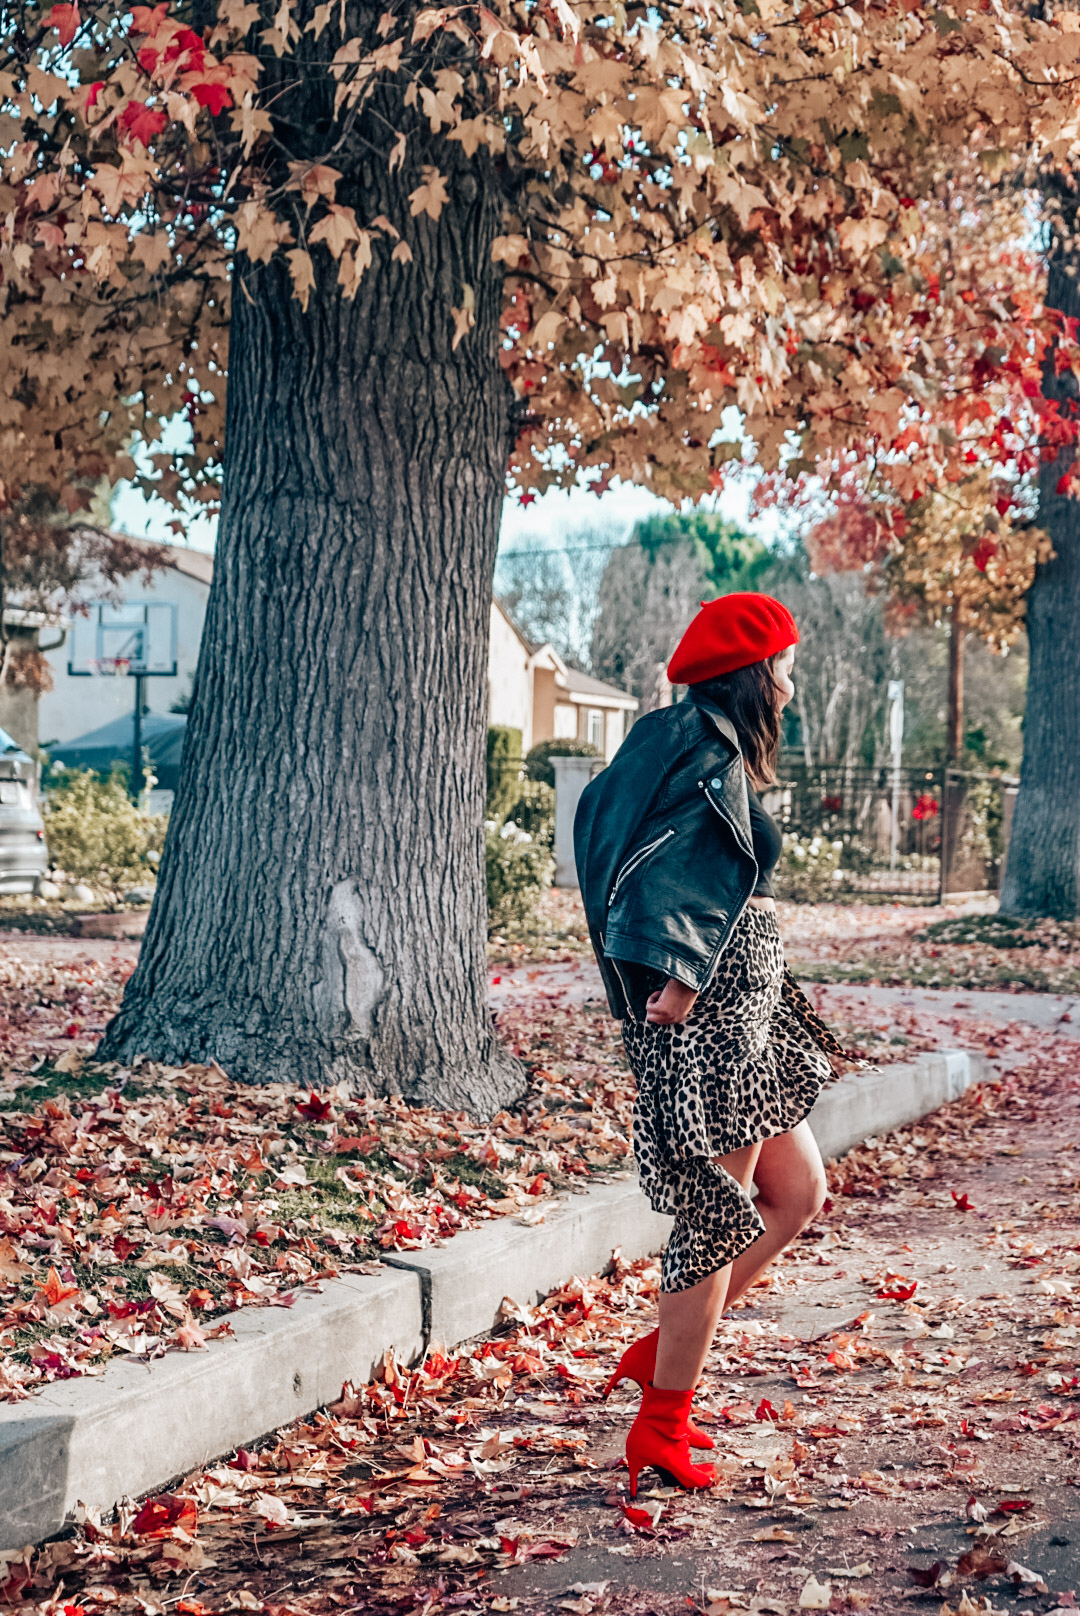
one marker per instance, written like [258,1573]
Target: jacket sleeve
[612,809]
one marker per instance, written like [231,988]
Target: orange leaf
[65,19]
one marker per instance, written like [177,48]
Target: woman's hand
[670,1004]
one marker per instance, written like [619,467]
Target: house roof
[579,687]
[582,687]
[198,564]
[508,618]
[193,563]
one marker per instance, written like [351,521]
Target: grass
[50,1084]
[1005,931]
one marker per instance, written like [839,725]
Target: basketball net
[117,666]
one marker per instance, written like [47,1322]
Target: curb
[136,1427]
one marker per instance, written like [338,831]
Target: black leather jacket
[664,852]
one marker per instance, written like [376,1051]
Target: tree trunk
[321,910]
[1042,874]
[954,721]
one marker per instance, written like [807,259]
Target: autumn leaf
[142,122]
[168,1512]
[642,1520]
[11,1266]
[900,1293]
[464,318]
[430,197]
[315,1108]
[337,228]
[314,180]
[65,19]
[214,97]
[60,1299]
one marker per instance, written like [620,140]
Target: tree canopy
[794,210]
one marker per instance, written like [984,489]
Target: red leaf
[65,19]
[92,94]
[983,553]
[962,1202]
[314,1108]
[1014,1506]
[639,1519]
[161,1515]
[900,1293]
[765,1411]
[142,123]
[213,96]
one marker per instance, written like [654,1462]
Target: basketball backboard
[137,637]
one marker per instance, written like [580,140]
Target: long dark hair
[751,698]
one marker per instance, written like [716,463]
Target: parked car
[24,857]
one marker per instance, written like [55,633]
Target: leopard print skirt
[743,1068]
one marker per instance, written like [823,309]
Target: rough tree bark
[1042,874]
[321,910]
[954,717]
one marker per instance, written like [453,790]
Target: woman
[675,854]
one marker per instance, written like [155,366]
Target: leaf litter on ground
[919,1393]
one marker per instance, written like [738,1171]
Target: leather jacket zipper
[631,865]
[625,990]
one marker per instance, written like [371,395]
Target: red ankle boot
[658,1438]
[637,1363]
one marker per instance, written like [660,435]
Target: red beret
[731,633]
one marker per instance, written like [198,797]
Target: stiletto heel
[658,1438]
[638,1363]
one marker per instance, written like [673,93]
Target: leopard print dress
[747,1065]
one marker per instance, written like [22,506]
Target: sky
[541,525]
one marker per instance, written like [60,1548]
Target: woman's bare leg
[790,1183]
[688,1318]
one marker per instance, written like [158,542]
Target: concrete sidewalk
[137,1426]
[578,982]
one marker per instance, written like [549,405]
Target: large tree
[1042,873]
[429,243]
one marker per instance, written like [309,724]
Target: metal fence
[919,834]
[912,833]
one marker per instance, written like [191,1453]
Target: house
[79,702]
[530,688]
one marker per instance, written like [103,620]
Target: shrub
[94,830]
[503,768]
[518,869]
[538,758]
[533,810]
[809,869]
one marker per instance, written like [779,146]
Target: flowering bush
[519,868]
[533,809]
[809,868]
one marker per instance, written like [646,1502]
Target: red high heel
[638,1363]
[658,1438]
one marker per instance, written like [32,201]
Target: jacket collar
[717,714]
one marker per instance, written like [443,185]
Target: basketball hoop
[118,666]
